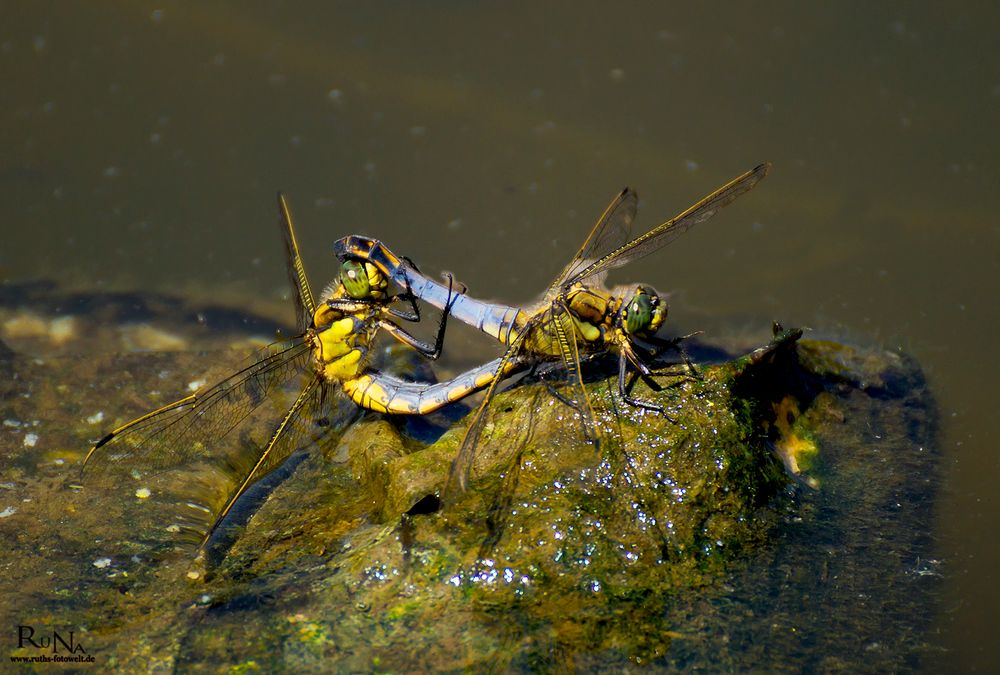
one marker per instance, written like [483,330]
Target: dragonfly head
[644,312]
[362,280]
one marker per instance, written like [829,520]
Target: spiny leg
[640,356]
[447,275]
[636,375]
[358,306]
[452,297]
[674,344]
[413,314]
[573,405]
[431,351]
[535,371]
[352,305]
[624,391]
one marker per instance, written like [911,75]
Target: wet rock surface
[781,520]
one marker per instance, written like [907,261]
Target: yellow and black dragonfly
[331,352]
[576,315]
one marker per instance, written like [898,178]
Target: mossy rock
[788,483]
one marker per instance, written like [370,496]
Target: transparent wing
[302,295]
[564,329]
[188,429]
[608,234]
[663,234]
[288,436]
[461,466]
[559,327]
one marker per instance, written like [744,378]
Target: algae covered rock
[566,554]
[780,516]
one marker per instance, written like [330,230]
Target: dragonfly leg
[589,425]
[674,344]
[413,312]
[409,261]
[410,314]
[431,351]
[439,339]
[534,371]
[624,359]
[351,305]
[559,397]
[447,275]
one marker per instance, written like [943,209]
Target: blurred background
[141,147]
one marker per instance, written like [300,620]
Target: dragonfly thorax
[340,344]
[592,310]
[343,324]
[591,305]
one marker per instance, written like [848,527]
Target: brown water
[141,150]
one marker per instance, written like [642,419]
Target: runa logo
[26,637]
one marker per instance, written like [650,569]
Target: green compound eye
[355,280]
[639,312]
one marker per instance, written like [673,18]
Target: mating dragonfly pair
[576,318]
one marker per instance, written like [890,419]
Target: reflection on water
[143,148]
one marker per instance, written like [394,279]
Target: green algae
[563,554]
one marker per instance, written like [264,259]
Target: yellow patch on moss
[795,448]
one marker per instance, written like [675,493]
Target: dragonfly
[576,317]
[331,351]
